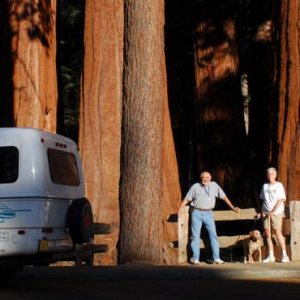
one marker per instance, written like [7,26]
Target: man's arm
[228,202]
[183,204]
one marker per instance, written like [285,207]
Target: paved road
[148,282]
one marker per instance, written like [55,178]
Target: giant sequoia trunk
[33,49]
[221,131]
[288,136]
[171,195]
[142,177]
[100,115]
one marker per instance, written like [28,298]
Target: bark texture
[288,135]
[141,194]
[100,115]
[171,197]
[33,50]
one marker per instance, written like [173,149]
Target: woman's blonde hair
[272,169]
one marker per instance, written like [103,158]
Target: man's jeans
[207,219]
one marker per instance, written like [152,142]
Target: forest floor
[229,281]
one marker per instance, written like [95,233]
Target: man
[202,198]
[273,197]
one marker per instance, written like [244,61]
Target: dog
[251,245]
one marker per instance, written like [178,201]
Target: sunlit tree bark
[100,115]
[33,58]
[288,135]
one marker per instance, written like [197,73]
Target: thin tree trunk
[100,115]
[288,137]
[142,176]
[33,27]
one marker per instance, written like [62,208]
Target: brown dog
[252,244]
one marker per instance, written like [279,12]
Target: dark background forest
[257,59]
[154,92]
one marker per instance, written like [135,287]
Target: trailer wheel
[80,221]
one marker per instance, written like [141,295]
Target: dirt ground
[144,282]
[152,289]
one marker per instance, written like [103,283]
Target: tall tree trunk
[288,137]
[171,196]
[221,131]
[33,27]
[171,193]
[100,114]
[142,177]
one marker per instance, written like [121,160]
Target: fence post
[295,229]
[183,232]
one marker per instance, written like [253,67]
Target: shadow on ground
[229,281]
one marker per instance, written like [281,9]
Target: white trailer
[44,212]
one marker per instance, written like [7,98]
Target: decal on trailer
[8,213]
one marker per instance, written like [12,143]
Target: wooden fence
[294,216]
[291,229]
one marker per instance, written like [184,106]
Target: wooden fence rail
[225,241]
[291,228]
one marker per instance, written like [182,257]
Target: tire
[80,221]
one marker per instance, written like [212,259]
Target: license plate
[43,247]
[4,236]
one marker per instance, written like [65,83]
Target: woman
[273,198]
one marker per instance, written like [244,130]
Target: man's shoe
[218,261]
[285,259]
[269,259]
[195,261]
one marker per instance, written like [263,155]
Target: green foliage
[70,34]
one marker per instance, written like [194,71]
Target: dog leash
[254,223]
[239,236]
[269,225]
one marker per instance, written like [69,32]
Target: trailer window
[9,164]
[63,167]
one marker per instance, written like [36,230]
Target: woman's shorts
[276,221]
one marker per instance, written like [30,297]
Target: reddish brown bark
[33,26]
[100,115]
[171,198]
[288,136]
[171,193]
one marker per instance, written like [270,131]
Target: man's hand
[258,216]
[182,205]
[229,203]
[235,208]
